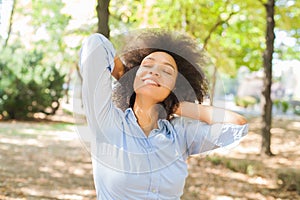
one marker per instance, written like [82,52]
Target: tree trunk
[103,16]
[266,93]
[213,85]
[10,22]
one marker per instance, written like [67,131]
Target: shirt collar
[129,114]
[163,124]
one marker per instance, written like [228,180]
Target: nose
[154,71]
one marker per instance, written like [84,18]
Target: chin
[157,96]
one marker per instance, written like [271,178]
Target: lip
[150,81]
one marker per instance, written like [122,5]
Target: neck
[146,113]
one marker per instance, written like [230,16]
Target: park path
[43,161]
[49,160]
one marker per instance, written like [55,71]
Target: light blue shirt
[126,163]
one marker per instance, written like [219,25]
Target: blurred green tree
[237,33]
[28,85]
[232,31]
[33,60]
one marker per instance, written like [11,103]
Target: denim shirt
[126,163]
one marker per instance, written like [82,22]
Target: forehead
[161,58]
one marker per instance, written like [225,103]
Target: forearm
[209,114]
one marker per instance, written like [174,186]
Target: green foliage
[287,21]
[245,101]
[281,104]
[214,160]
[47,15]
[249,167]
[223,27]
[285,106]
[125,15]
[47,31]
[289,179]
[28,85]
[33,64]
[244,166]
[233,32]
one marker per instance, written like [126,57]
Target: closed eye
[147,66]
[168,72]
[164,68]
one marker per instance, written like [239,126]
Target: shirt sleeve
[198,137]
[96,64]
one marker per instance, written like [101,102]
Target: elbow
[242,120]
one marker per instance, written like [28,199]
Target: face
[156,76]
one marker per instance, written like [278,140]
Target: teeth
[151,82]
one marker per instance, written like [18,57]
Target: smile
[151,82]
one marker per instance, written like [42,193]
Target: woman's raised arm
[209,114]
[97,63]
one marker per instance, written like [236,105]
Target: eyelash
[165,71]
[147,66]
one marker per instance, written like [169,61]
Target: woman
[141,142]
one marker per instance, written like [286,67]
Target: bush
[28,85]
[289,179]
[281,104]
[245,101]
[249,167]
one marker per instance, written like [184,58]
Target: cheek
[170,83]
[140,72]
[137,79]
[136,83]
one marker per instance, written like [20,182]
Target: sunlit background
[235,72]
[39,45]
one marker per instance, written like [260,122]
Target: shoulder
[95,40]
[96,37]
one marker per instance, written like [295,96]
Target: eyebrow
[165,63]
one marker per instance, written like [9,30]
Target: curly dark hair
[191,84]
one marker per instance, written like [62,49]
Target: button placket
[155,176]
[155,185]
[149,146]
